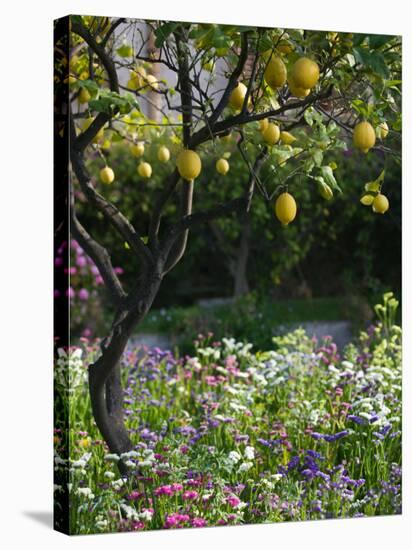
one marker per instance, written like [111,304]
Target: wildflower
[198,522]
[190,495]
[233,500]
[86,492]
[250,453]
[245,466]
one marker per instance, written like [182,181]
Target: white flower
[250,453]
[245,466]
[129,511]
[234,457]
[146,515]
[109,475]
[86,492]
[112,457]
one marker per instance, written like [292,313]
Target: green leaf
[317,156]
[372,60]
[329,177]
[163,32]
[378,40]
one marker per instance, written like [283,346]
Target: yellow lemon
[275,73]
[107,175]
[84,96]
[305,73]
[380,204]
[367,200]
[285,208]
[137,149]
[272,134]
[382,130]
[222,166]
[137,78]
[145,170]
[263,124]
[285,47]
[237,97]
[163,154]
[189,164]
[295,90]
[364,136]
[287,138]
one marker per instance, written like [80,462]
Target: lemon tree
[290,103]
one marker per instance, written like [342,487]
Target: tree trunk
[105,386]
[241,285]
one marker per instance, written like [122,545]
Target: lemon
[380,204]
[272,134]
[364,136]
[305,73]
[263,124]
[84,96]
[137,149]
[382,130]
[145,170]
[295,90]
[275,73]
[237,97]
[189,164]
[285,208]
[107,175]
[163,154]
[287,138]
[222,166]
[285,47]
[367,200]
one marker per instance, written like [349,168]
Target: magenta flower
[164,490]
[83,294]
[134,495]
[233,500]
[81,261]
[73,270]
[198,522]
[190,495]
[119,270]
[58,262]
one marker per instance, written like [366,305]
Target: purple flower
[335,437]
[190,495]
[357,419]
[233,500]
[198,522]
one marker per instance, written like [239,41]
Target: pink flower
[164,490]
[98,280]
[198,522]
[190,495]
[81,261]
[86,333]
[119,270]
[83,294]
[233,500]
[176,487]
[73,270]
[70,292]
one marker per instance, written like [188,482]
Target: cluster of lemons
[302,78]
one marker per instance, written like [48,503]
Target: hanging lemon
[189,164]
[272,133]
[285,208]
[84,96]
[237,97]
[163,154]
[380,204]
[305,73]
[222,166]
[364,136]
[275,73]
[144,170]
[107,175]
[287,138]
[137,149]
